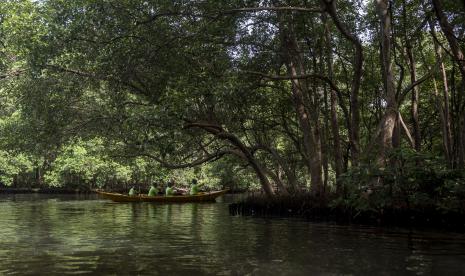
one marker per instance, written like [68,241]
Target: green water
[56,235]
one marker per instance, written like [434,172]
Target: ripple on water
[50,234]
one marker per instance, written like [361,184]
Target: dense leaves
[364,99]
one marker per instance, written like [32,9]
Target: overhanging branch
[93,76]
[286,8]
[409,88]
[307,76]
[208,158]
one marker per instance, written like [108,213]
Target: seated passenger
[153,191]
[169,191]
[132,191]
[194,187]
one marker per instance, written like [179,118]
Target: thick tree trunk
[300,89]
[312,149]
[396,139]
[388,120]
[279,184]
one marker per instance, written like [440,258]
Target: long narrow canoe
[200,197]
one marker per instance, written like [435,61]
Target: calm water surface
[55,235]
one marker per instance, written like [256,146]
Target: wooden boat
[200,197]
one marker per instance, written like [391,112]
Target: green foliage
[412,180]
[87,163]
[12,165]
[100,93]
[230,175]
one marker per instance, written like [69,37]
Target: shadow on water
[50,234]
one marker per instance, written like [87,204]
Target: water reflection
[42,234]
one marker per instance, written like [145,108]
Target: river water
[58,234]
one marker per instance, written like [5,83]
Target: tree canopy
[282,95]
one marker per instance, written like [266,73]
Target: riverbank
[307,207]
[43,191]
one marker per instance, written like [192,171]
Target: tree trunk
[259,171]
[39,177]
[443,109]
[242,151]
[388,120]
[311,138]
[443,121]
[333,106]
[405,129]
[354,131]
[290,175]
[396,139]
[281,187]
[415,96]
[459,59]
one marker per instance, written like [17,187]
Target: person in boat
[153,191]
[132,191]
[194,187]
[169,191]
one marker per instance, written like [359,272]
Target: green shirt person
[169,191]
[132,192]
[153,191]
[194,187]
